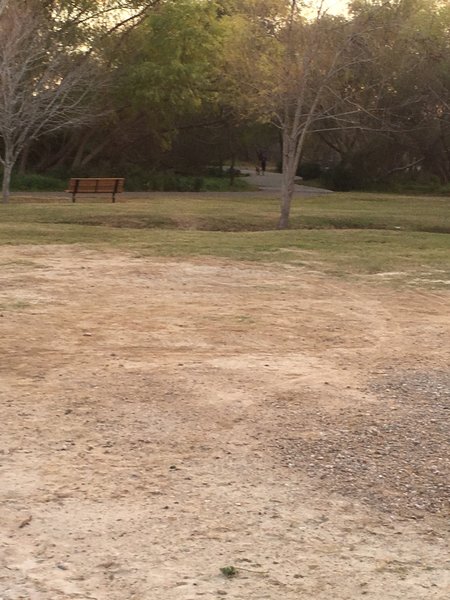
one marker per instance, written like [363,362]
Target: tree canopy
[92,86]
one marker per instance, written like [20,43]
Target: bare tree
[41,90]
[296,71]
[49,71]
[316,54]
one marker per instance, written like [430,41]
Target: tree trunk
[24,159]
[7,170]
[232,169]
[289,169]
[78,159]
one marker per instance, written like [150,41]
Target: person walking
[262,158]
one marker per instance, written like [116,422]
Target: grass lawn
[342,233]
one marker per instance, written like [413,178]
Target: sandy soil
[164,419]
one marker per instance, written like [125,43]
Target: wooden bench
[96,185]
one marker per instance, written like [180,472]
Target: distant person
[262,158]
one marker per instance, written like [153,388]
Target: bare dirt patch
[164,419]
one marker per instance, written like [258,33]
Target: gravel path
[394,454]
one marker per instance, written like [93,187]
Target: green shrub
[136,178]
[169,181]
[309,171]
[427,184]
[222,184]
[215,172]
[342,179]
[36,183]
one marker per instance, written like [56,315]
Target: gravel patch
[394,454]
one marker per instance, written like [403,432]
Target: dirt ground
[164,419]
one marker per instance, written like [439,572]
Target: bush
[37,183]
[138,179]
[309,171]
[171,182]
[342,179]
[222,184]
[135,178]
[216,172]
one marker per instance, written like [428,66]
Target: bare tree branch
[43,88]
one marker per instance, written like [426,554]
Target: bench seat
[96,185]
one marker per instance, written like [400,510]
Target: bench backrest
[96,184]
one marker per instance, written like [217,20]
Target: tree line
[102,87]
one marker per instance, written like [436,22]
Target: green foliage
[143,180]
[171,182]
[137,180]
[168,181]
[169,61]
[223,184]
[342,179]
[229,571]
[309,171]
[216,172]
[34,182]
[197,81]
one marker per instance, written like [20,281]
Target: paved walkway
[271,182]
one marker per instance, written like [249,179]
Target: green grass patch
[239,212]
[337,233]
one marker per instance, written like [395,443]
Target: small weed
[229,571]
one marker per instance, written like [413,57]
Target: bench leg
[113,197]
[73,197]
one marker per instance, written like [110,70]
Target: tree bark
[82,141]
[6,184]
[24,160]
[289,169]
